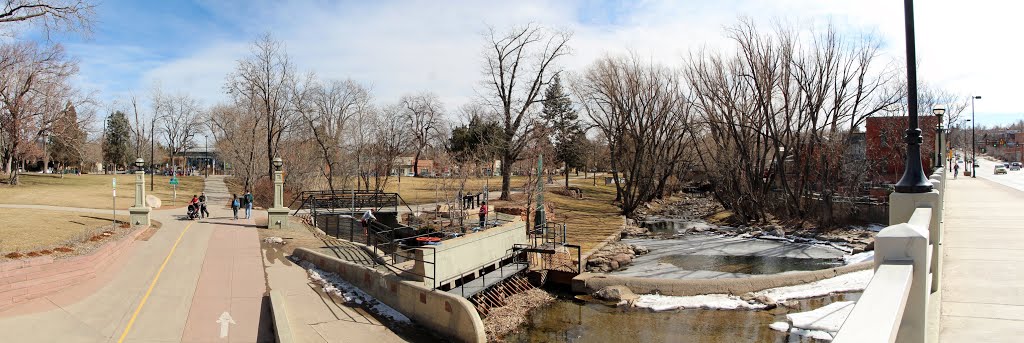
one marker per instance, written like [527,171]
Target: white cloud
[404,47]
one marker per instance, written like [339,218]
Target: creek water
[569,319]
[748,264]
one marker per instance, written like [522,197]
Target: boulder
[615,293]
[640,250]
[747,297]
[622,259]
[612,265]
[870,246]
[777,231]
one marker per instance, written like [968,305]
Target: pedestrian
[956,170]
[248,204]
[368,218]
[235,204]
[483,214]
[203,212]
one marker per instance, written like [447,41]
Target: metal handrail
[510,253]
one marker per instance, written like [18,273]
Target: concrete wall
[466,253]
[447,314]
[26,279]
[589,282]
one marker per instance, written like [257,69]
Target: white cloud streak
[404,47]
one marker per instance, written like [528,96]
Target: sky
[403,47]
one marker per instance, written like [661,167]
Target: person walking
[368,218]
[235,204]
[203,212]
[956,170]
[483,214]
[248,204]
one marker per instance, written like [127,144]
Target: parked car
[1000,169]
[1015,166]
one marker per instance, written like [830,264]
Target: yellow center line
[152,284]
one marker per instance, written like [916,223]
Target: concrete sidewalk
[983,273]
[206,268]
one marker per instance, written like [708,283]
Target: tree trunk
[416,164]
[567,175]
[506,176]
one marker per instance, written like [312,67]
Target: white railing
[894,306]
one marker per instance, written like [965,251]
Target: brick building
[886,151]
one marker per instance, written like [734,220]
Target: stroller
[193,211]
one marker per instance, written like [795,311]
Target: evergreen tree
[562,121]
[475,140]
[67,144]
[117,140]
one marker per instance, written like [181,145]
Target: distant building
[886,150]
[404,166]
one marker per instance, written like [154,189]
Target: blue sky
[400,47]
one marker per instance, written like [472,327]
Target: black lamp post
[938,110]
[974,149]
[913,180]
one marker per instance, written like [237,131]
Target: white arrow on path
[224,320]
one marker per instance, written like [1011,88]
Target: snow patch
[779,326]
[849,282]
[822,335]
[659,302]
[861,257]
[828,318]
[332,284]
[275,240]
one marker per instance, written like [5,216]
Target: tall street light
[938,110]
[913,180]
[974,150]
[207,153]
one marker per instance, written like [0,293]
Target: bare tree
[54,15]
[237,134]
[422,116]
[180,121]
[264,82]
[519,63]
[643,112]
[34,88]
[327,110]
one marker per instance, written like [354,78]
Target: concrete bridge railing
[894,306]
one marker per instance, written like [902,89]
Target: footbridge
[946,267]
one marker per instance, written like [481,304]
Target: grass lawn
[93,190]
[422,190]
[589,220]
[46,229]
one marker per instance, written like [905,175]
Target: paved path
[173,287]
[983,270]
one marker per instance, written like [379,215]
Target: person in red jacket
[483,214]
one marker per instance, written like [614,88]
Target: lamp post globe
[278,163]
[139,163]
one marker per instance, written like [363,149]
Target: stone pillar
[139,214]
[277,216]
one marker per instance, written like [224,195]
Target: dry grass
[93,191]
[589,220]
[29,230]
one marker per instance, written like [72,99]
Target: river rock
[766,301]
[640,250]
[613,265]
[748,297]
[870,246]
[777,231]
[616,293]
[623,259]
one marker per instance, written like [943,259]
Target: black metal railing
[513,256]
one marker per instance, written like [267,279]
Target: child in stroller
[193,208]
[193,211]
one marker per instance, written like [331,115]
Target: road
[1012,179]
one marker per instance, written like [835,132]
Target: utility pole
[974,149]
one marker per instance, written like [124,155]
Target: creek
[571,319]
